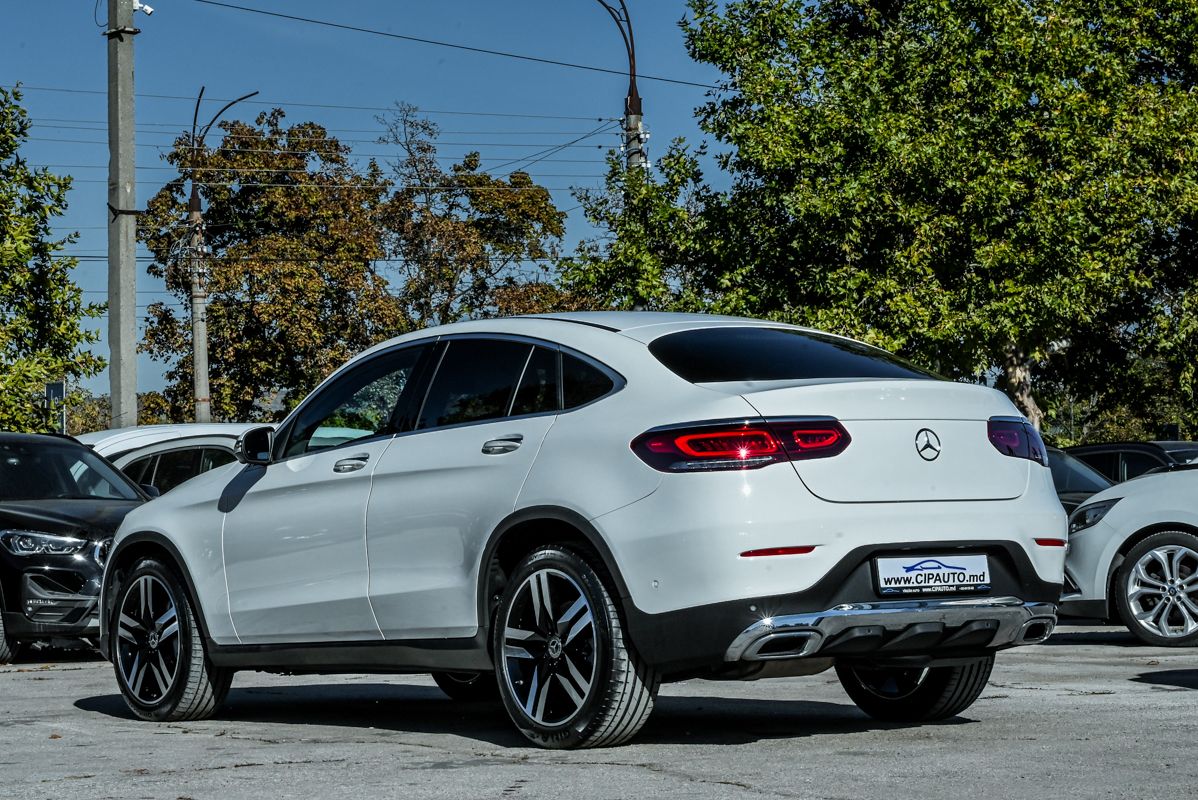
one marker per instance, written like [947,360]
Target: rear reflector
[705,447]
[1051,542]
[1016,438]
[778,551]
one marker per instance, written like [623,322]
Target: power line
[452,45]
[166,147]
[142,127]
[339,107]
[241,170]
[365,186]
[338,140]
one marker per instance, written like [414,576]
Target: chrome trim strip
[1013,614]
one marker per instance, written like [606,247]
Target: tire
[9,648]
[917,694]
[569,678]
[1156,590]
[468,687]
[158,649]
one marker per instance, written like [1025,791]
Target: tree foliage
[296,231]
[41,308]
[989,186]
[461,234]
[653,236]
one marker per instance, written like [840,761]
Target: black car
[60,505]
[1122,461]
[1074,480]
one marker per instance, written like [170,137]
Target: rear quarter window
[730,354]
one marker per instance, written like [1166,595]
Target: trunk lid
[912,440]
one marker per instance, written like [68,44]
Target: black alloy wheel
[158,650]
[468,687]
[920,694]
[568,675]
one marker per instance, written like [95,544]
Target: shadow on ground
[1110,637]
[1181,678]
[421,709]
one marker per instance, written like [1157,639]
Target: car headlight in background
[1089,516]
[32,543]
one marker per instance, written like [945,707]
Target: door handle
[504,444]
[352,463]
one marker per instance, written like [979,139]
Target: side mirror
[254,446]
[150,489]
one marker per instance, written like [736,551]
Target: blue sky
[56,45]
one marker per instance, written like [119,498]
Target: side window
[1136,464]
[359,404]
[1106,463]
[213,457]
[175,467]
[141,470]
[582,383]
[538,390]
[475,381]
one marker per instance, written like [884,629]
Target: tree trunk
[1018,374]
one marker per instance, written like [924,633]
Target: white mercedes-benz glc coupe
[565,510]
[1133,557]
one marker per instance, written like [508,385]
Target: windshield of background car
[1183,455]
[1072,475]
[728,354]
[58,470]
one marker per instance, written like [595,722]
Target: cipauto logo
[927,444]
[932,573]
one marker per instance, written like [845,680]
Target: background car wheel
[469,687]
[158,649]
[9,648]
[915,694]
[568,675]
[1156,589]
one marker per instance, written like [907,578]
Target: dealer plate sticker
[933,574]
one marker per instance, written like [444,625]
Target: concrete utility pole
[122,222]
[197,264]
[199,307]
[634,132]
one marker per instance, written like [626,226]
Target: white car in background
[1133,557]
[164,456]
[564,511]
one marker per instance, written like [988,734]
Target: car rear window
[717,355]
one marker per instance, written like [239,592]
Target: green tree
[41,308]
[461,235]
[980,184]
[653,237]
[296,233]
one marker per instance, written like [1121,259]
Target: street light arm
[227,106]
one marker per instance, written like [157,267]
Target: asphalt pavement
[1090,714]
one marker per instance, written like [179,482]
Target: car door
[441,489]
[295,542]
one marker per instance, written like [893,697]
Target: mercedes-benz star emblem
[927,444]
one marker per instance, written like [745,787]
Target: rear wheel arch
[135,548]
[523,531]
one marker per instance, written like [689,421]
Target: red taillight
[743,444]
[739,445]
[1016,438]
[801,550]
[1051,542]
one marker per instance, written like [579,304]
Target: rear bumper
[903,628]
[700,639]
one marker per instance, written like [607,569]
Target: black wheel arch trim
[546,513]
[107,599]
